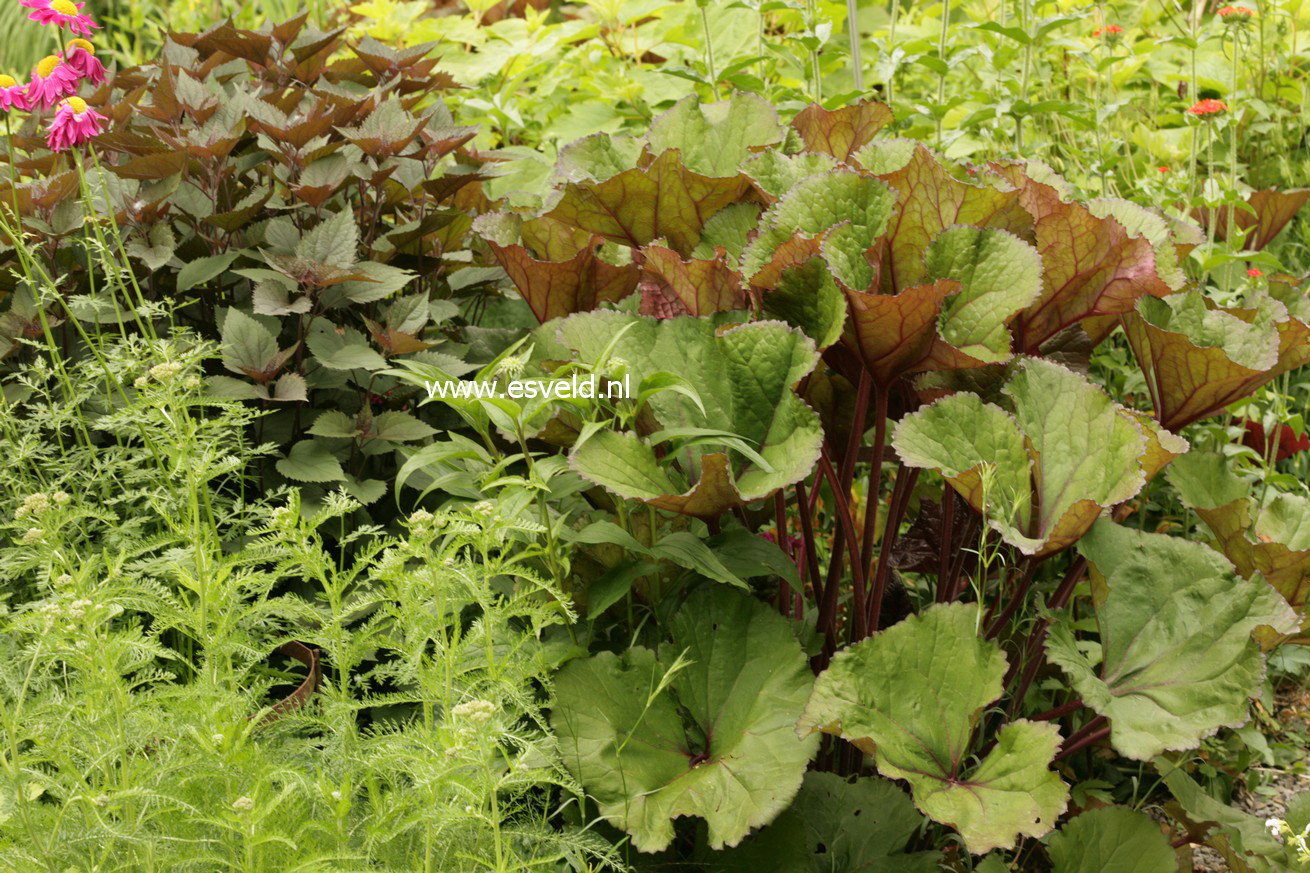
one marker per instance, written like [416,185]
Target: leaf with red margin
[1198,358]
[841,132]
[929,200]
[847,210]
[1091,266]
[702,286]
[892,334]
[1275,542]
[1273,210]
[570,278]
[641,205]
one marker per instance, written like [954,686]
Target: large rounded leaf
[1067,453]
[741,679]
[744,379]
[1199,357]
[1112,840]
[1177,661]
[911,696]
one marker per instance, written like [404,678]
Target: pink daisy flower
[51,80]
[61,13]
[11,94]
[74,124]
[81,56]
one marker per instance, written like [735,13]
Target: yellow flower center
[7,81]
[80,43]
[77,104]
[47,65]
[64,7]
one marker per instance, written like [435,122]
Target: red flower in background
[1236,14]
[1288,442]
[1110,31]
[1255,272]
[1202,108]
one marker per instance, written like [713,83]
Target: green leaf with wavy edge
[911,696]
[1198,357]
[1067,453]
[1177,658]
[714,139]
[745,378]
[806,297]
[848,210]
[999,275]
[638,206]
[835,825]
[1112,839]
[736,762]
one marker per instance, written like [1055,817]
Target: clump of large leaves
[1043,471]
[1176,658]
[1199,357]
[877,245]
[873,695]
[703,728]
[739,384]
[1272,541]
[301,200]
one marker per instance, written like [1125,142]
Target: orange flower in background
[1236,14]
[1203,108]
[1110,32]
[1255,272]
[1163,169]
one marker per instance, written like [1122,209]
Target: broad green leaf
[876,695]
[847,210]
[774,172]
[334,242]
[613,585]
[375,281]
[399,427]
[835,825]
[1273,542]
[745,379]
[741,679]
[715,138]
[201,270]
[311,461]
[1067,453]
[1175,621]
[344,350]
[729,229]
[250,349]
[806,297]
[155,248]
[1198,357]
[665,200]
[999,275]
[842,132]
[1112,839]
